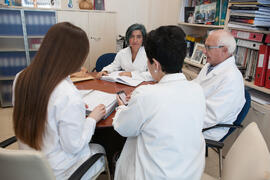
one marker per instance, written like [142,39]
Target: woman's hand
[101,73]
[125,74]
[98,112]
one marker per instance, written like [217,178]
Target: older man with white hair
[222,83]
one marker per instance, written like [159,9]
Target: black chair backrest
[104,60]
[241,116]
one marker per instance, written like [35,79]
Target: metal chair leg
[220,161]
[107,169]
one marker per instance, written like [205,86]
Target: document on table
[95,97]
[114,77]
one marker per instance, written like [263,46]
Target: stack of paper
[94,97]
[114,77]
[259,97]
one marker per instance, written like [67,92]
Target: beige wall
[151,13]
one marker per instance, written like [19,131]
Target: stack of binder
[250,16]
[95,97]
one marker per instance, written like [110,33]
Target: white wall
[151,13]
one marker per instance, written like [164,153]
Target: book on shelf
[246,26]
[221,11]
[95,97]
[251,15]
[267,78]
[248,44]
[267,38]
[252,36]
[259,97]
[253,21]
[251,1]
[250,7]
[262,65]
[246,61]
[114,77]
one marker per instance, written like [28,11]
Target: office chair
[103,61]
[218,145]
[247,159]
[26,164]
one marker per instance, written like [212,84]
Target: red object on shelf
[267,39]
[262,65]
[258,37]
[267,78]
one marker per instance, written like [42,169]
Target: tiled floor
[6,130]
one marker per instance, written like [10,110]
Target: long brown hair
[62,52]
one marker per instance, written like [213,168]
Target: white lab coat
[123,61]
[224,92]
[163,124]
[68,132]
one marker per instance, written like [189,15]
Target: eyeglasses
[207,47]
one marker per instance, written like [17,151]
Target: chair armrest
[94,69]
[8,141]
[85,166]
[215,144]
[223,125]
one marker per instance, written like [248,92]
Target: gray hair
[225,39]
[134,27]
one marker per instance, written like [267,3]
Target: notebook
[95,97]
[114,77]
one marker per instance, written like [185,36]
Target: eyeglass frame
[212,47]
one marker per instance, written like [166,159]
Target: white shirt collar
[220,66]
[172,77]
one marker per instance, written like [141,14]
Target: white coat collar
[141,49]
[220,67]
[172,77]
[69,80]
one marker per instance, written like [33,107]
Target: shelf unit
[18,28]
[247,83]
[202,25]
[202,29]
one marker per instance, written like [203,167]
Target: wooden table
[106,86]
[105,134]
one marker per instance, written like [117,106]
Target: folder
[95,97]
[262,65]
[267,78]
[248,35]
[267,39]
[248,44]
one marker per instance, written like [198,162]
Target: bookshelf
[18,28]
[202,30]
[202,25]
[247,83]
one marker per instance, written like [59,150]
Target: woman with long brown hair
[49,113]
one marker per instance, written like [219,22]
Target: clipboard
[78,79]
